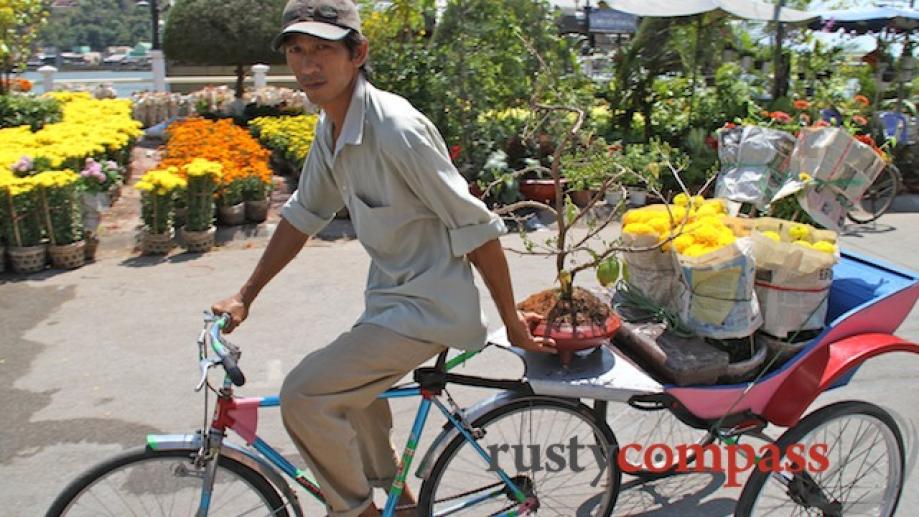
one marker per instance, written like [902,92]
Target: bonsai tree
[223,32]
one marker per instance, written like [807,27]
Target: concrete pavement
[92,359]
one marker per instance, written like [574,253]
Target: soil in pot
[582,323]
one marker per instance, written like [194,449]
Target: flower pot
[28,259]
[94,203]
[540,190]
[68,256]
[613,197]
[257,211]
[582,337]
[637,196]
[581,198]
[156,243]
[198,242]
[232,215]
[745,370]
[92,243]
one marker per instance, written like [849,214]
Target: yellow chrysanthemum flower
[772,235]
[799,232]
[639,229]
[825,246]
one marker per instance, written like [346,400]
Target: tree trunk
[239,81]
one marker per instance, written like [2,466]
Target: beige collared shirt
[412,212]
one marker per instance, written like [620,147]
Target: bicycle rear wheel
[878,197]
[863,474]
[149,482]
[556,451]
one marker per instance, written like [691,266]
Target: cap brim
[321,30]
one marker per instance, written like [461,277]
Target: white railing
[259,77]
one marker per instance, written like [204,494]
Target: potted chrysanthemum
[61,211]
[21,224]
[157,188]
[256,193]
[232,207]
[203,176]
[98,179]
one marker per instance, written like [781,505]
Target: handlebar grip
[233,371]
[226,357]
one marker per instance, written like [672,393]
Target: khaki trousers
[329,408]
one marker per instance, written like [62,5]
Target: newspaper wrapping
[716,296]
[753,161]
[652,272]
[792,281]
[842,167]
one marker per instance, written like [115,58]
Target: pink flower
[24,164]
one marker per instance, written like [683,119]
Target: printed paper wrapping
[716,297]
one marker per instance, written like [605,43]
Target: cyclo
[204,473]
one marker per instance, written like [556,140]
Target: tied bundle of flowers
[100,176]
[157,188]
[203,176]
[692,225]
[19,211]
[60,207]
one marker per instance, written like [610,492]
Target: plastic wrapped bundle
[753,162]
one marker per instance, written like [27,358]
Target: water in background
[144,80]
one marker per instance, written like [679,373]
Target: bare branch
[523,204]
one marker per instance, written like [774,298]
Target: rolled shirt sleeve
[421,158]
[313,205]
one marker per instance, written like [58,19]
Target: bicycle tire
[67,503]
[825,416]
[594,427]
[659,426]
[879,196]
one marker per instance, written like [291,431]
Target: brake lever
[204,365]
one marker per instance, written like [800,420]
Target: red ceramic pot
[540,190]
[582,337]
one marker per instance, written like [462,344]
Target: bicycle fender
[822,370]
[165,442]
[473,413]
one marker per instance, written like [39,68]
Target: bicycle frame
[241,415]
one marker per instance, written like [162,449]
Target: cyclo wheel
[146,481]
[873,459]
[649,427]
[554,449]
[878,197]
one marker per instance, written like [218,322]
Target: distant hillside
[95,23]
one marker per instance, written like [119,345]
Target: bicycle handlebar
[227,357]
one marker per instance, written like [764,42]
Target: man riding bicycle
[382,159]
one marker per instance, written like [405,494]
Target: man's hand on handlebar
[235,308]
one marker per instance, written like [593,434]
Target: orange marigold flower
[780,116]
[860,120]
[802,105]
[861,99]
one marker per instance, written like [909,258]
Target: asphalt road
[91,360]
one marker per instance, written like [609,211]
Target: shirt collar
[352,132]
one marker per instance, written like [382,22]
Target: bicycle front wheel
[878,198]
[555,451]
[862,474]
[149,482]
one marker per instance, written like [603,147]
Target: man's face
[324,69]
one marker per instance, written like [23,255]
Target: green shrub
[28,110]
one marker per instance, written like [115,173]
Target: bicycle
[878,198]
[206,474]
